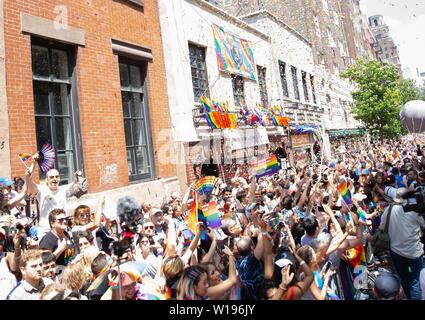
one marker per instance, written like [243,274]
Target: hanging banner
[234,55]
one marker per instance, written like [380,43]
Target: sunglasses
[148,227]
[81,215]
[61,220]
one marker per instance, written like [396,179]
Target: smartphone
[327,266]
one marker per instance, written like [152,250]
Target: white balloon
[412,116]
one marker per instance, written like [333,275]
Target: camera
[415,201]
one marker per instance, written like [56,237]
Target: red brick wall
[97,77]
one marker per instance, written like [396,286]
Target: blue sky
[406,20]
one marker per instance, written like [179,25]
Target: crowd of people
[293,235]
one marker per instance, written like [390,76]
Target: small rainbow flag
[357,256]
[345,193]
[205,184]
[206,103]
[274,221]
[212,215]
[25,156]
[266,167]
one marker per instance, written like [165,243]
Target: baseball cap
[387,285]
[6,181]
[156,210]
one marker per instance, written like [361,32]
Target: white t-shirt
[48,201]
[405,232]
[7,279]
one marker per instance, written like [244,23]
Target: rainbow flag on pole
[192,217]
[266,167]
[345,193]
[195,214]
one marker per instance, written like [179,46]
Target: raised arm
[210,254]
[303,198]
[252,187]
[32,187]
[16,201]
[186,197]
[217,291]
[268,257]
[302,286]
[193,244]
[171,237]
[93,225]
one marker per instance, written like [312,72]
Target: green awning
[347,132]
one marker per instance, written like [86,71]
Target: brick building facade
[88,77]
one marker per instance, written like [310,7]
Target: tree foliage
[381,92]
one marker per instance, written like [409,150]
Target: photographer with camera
[406,248]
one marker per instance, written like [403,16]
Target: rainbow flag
[345,193]
[206,103]
[195,214]
[274,221]
[212,215]
[25,156]
[234,55]
[357,257]
[266,167]
[205,184]
[192,218]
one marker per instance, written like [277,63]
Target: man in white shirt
[406,248]
[50,196]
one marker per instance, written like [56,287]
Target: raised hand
[211,234]
[286,276]
[227,251]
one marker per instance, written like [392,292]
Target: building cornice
[223,14]
[278,21]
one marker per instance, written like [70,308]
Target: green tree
[381,91]
[421,92]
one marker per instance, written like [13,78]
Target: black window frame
[313,89]
[305,89]
[262,85]
[72,101]
[202,51]
[137,2]
[295,83]
[283,78]
[145,117]
[238,90]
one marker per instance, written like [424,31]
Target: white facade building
[187,24]
[291,48]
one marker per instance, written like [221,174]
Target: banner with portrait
[234,55]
